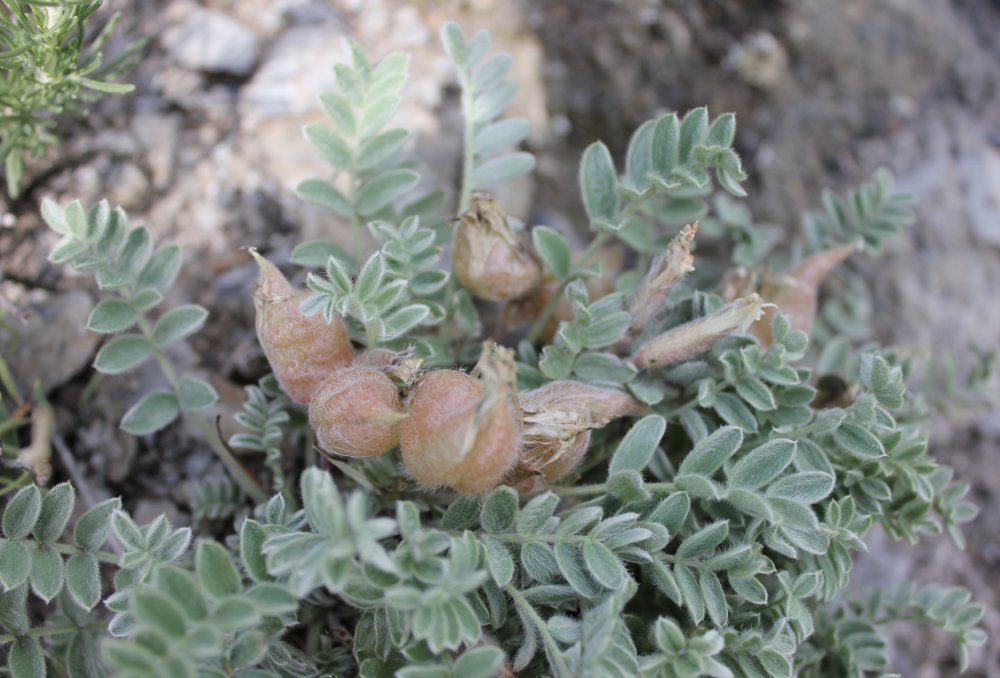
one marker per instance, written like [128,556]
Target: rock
[982,198]
[214,43]
[50,336]
[148,510]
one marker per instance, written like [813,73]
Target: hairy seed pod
[558,419]
[460,431]
[665,272]
[356,412]
[488,258]
[402,367]
[688,340]
[302,351]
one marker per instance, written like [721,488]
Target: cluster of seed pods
[466,431]
[472,431]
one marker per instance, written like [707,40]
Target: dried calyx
[460,431]
[487,257]
[666,271]
[691,338]
[558,419]
[302,351]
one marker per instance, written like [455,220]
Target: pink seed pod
[797,294]
[356,412]
[558,419]
[302,351]
[487,258]
[460,431]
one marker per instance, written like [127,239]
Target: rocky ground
[207,150]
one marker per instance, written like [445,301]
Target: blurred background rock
[209,147]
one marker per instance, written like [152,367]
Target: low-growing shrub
[537,461]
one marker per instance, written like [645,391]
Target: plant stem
[40,631]
[242,476]
[551,647]
[17,483]
[465,193]
[103,556]
[601,488]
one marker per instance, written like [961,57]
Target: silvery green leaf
[46,573]
[607,328]
[147,299]
[665,581]
[403,320]
[490,73]
[339,111]
[579,519]
[858,441]
[319,192]
[503,168]
[501,134]
[154,609]
[704,540]
[698,486]
[755,392]
[331,147]
[53,216]
[536,513]
[666,140]
[808,487]
[598,183]
[381,190]
[83,580]
[647,391]
[381,147]
[574,569]
[733,411]
[603,368]
[93,528]
[111,315]
[155,410]
[722,132]
[248,649]
[127,531]
[749,589]
[690,592]
[715,598]
[762,464]
[499,510]
[122,354]
[178,323]
[15,563]
[479,662]
[672,512]
[271,599]
[26,660]
[461,514]
[454,42]
[370,278]
[539,561]
[493,101]
[216,572]
[637,447]
[22,512]
[730,173]
[82,658]
[751,503]
[603,565]
[692,131]
[378,113]
[252,536]
[556,362]
[694,425]
[57,506]
[476,47]
[161,270]
[639,157]
[196,394]
[552,247]
[316,253]
[427,283]
[499,561]
[712,452]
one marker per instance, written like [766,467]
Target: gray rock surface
[212,42]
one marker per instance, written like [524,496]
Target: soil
[208,148]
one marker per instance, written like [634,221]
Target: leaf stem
[601,488]
[242,476]
[40,631]
[556,658]
[103,556]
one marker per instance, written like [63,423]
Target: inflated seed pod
[488,259]
[460,431]
[302,351]
[558,419]
[356,412]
